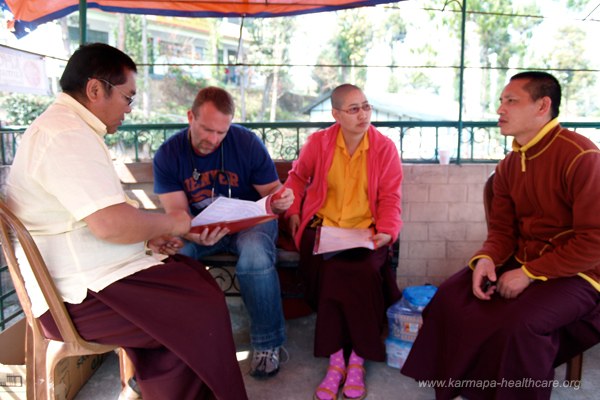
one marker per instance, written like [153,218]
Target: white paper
[336,239]
[226,209]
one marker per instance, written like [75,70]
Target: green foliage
[269,45]
[393,32]
[133,37]
[327,78]
[215,44]
[394,29]
[23,109]
[577,4]
[150,140]
[346,51]
[352,43]
[569,54]
[502,31]
[175,93]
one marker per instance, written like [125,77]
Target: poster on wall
[22,72]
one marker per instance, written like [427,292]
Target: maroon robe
[350,292]
[173,322]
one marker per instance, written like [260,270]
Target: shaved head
[339,94]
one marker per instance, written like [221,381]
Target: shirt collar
[86,115]
[363,146]
[547,128]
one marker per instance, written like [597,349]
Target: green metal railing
[417,142]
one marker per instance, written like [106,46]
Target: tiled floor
[300,375]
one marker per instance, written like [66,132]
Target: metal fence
[10,309]
[417,141]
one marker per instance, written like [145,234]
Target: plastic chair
[576,337]
[42,354]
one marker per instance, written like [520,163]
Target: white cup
[444,156]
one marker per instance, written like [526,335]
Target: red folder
[235,225]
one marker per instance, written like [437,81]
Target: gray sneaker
[265,363]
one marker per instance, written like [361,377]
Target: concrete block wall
[444,220]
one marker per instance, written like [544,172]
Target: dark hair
[542,84]
[95,60]
[219,97]
[338,94]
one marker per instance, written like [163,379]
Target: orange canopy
[30,13]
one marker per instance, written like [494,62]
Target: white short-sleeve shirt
[62,173]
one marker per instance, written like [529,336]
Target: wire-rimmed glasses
[129,99]
[356,109]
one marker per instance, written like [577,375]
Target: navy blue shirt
[240,162]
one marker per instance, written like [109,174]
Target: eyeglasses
[356,109]
[129,99]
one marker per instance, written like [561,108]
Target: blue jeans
[259,282]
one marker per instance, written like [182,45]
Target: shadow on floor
[301,374]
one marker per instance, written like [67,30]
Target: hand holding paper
[207,235]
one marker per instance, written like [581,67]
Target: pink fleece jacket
[308,180]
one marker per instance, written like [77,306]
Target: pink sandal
[329,386]
[355,381]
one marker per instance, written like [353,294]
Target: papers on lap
[234,214]
[331,239]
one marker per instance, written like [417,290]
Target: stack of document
[331,239]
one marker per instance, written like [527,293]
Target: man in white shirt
[170,316]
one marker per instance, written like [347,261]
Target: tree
[393,34]
[352,43]
[577,4]
[215,45]
[270,40]
[326,76]
[569,55]
[502,31]
[132,39]
[337,62]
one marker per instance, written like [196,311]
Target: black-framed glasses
[356,109]
[129,99]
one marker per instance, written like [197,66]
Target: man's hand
[512,283]
[168,245]
[282,200]
[484,272]
[207,237]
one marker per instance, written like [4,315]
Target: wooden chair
[42,354]
[574,338]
